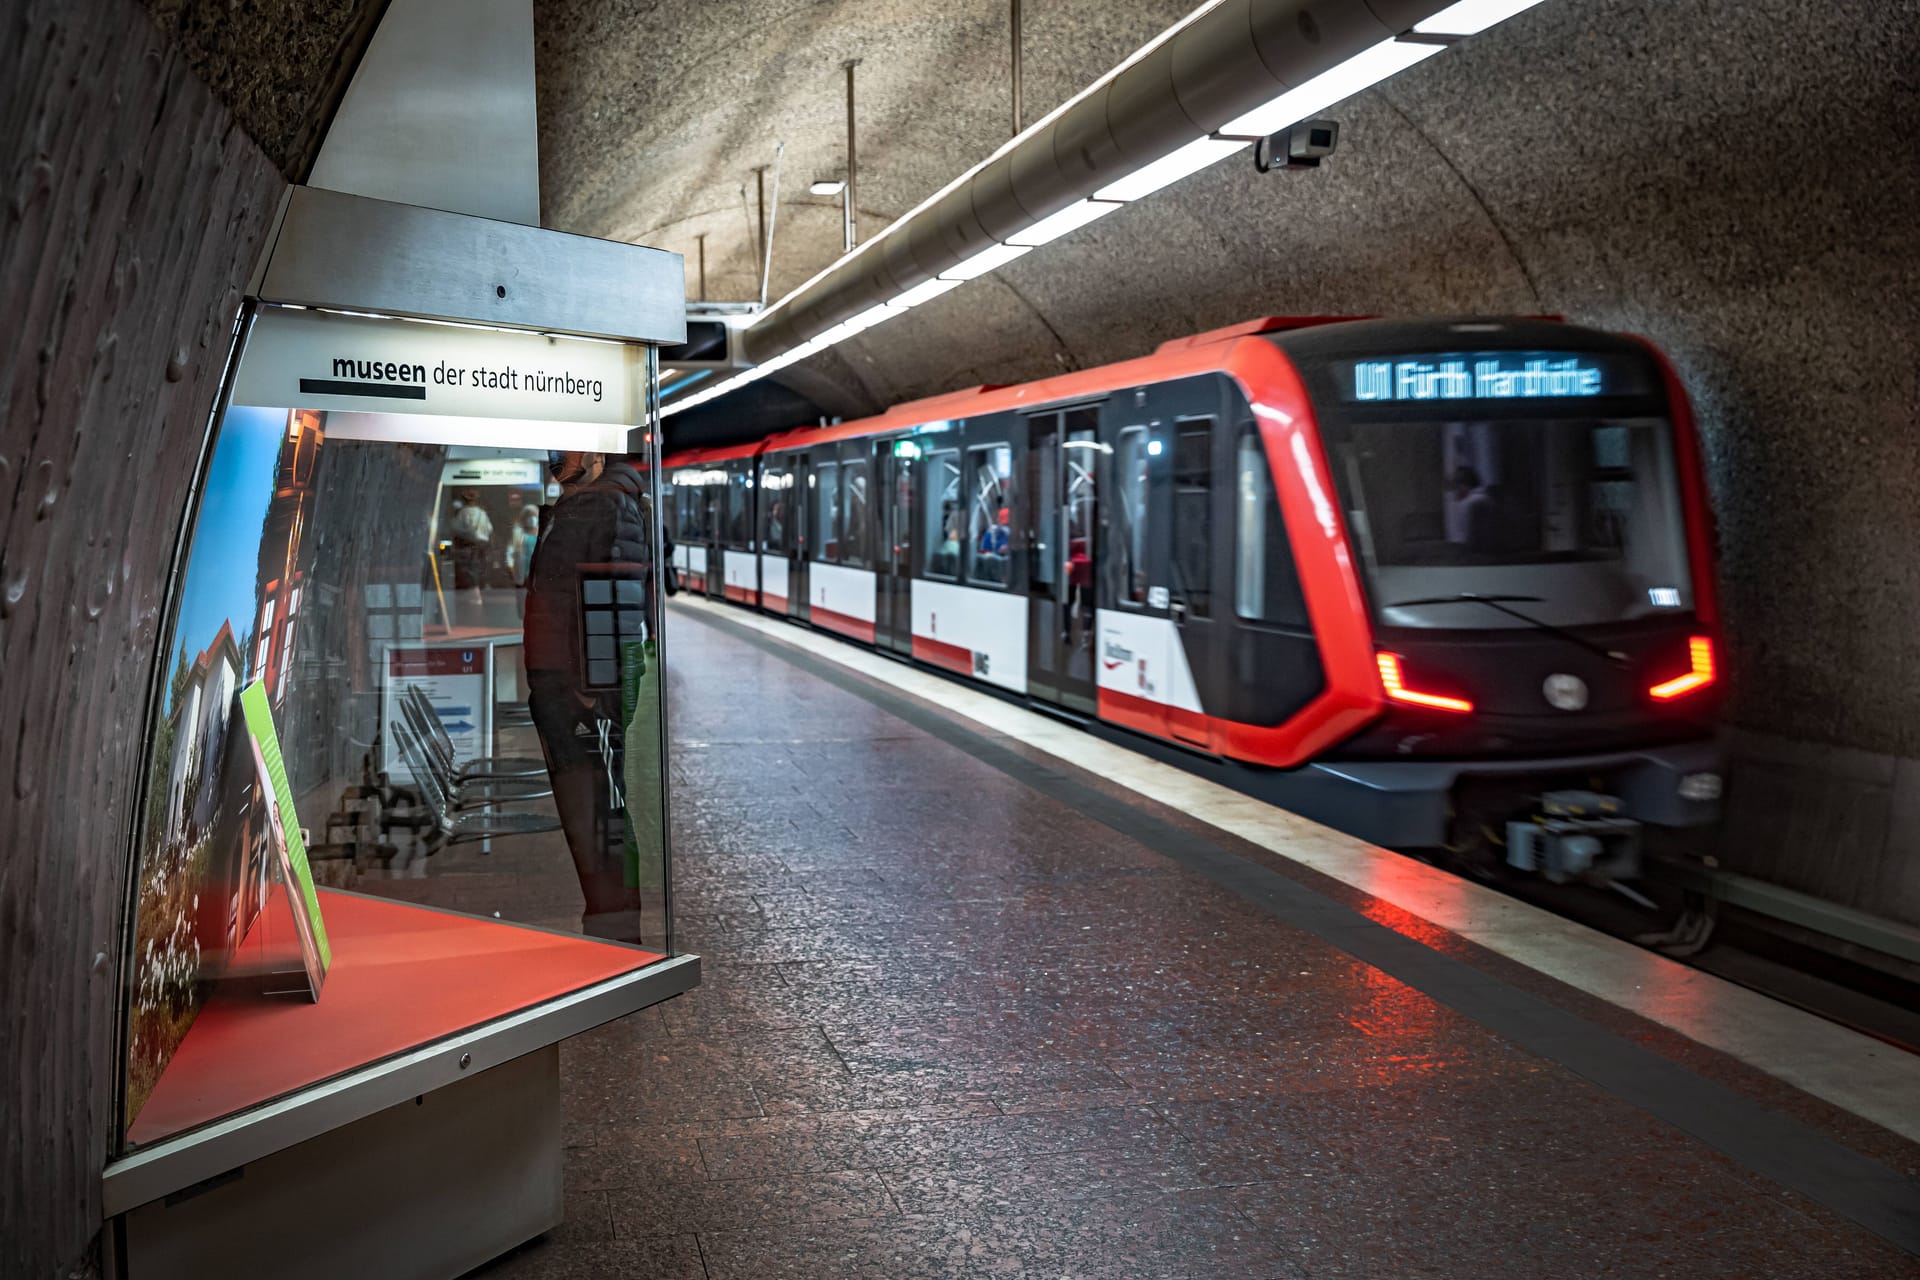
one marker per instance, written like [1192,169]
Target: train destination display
[1482,375]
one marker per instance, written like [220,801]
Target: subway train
[1444,584]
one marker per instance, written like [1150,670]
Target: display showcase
[405,773]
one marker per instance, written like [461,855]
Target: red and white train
[1425,579]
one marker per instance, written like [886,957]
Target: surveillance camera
[1298,146]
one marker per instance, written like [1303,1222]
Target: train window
[990,537]
[1193,514]
[738,533]
[853,538]
[1266,585]
[773,512]
[826,512]
[1130,516]
[1582,514]
[946,520]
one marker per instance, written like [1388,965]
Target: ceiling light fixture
[1071,218]
[1356,74]
[1470,17]
[986,260]
[1170,168]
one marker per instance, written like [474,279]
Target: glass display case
[403,814]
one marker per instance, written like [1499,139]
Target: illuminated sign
[1490,375]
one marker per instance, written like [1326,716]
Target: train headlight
[1700,786]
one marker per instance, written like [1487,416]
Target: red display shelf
[402,976]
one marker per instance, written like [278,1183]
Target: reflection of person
[520,544]
[1474,521]
[595,550]
[777,526]
[472,534]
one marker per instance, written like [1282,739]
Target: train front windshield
[1573,520]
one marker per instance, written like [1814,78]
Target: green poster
[285,822]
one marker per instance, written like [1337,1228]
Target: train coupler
[1577,835]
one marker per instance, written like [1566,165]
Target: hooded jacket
[599,531]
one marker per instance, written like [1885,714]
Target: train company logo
[1114,655]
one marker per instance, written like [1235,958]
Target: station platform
[984,996]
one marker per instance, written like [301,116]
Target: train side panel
[842,599]
[742,582]
[693,566]
[982,634]
[773,583]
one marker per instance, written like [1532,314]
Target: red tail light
[1396,688]
[1700,652]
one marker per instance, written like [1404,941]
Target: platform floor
[969,1011]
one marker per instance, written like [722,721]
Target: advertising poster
[454,679]
[204,869]
[284,822]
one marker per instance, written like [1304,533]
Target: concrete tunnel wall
[1736,182]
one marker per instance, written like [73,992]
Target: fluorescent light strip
[1004,147]
[984,261]
[926,292]
[1355,75]
[1053,226]
[1470,17]
[1170,168]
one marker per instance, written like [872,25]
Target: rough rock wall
[134,207]
[280,66]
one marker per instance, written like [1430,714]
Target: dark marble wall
[134,205]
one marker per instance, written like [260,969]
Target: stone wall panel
[133,209]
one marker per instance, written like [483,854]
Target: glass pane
[739,533]
[854,535]
[1581,513]
[826,512]
[436,667]
[773,511]
[1193,516]
[945,520]
[990,533]
[1130,551]
[1266,583]
[900,521]
[1044,494]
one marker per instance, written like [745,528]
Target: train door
[893,481]
[1063,451]
[713,496]
[776,535]
[1192,572]
[800,544]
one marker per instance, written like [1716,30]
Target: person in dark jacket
[589,596]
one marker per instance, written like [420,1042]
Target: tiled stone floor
[949,1027]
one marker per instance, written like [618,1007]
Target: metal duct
[1237,56]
